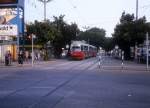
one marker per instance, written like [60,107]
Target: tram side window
[86,48]
[90,49]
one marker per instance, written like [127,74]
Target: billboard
[7,30]
[9,16]
[8,1]
[12,3]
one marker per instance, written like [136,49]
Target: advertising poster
[11,25]
[10,20]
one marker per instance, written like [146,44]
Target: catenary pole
[44,2]
[137,9]
[135,53]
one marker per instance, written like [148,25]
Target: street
[76,84]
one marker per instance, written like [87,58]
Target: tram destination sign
[8,30]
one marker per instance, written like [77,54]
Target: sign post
[147,51]
[122,59]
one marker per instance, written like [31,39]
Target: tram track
[62,65]
[61,86]
[88,61]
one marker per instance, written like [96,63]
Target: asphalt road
[76,84]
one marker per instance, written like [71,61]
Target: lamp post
[137,8]
[44,2]
[32,36]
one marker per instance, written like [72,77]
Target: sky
[87,13]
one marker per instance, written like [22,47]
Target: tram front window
[76,48]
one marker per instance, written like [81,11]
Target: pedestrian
[20,58]
[6,59]
[9,57]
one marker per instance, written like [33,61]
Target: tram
[81,50]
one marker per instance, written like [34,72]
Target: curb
[15,64]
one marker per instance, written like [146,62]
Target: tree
[93,36]
[70,32]
[66,33]
[45,32]
[109,44]
[58,32]
[129,32]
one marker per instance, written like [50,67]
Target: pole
[23,32]
[44,10]
[32,51]
[18,35]
[122,58]
[137,8]
[147,50]
[44,2]
[135,51]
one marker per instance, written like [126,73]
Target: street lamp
[44,2]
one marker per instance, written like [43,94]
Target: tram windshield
[76,48]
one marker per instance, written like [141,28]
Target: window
[86,48]
[76,48]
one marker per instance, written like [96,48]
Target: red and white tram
[81,50]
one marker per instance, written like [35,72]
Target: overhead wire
[144,9]
[146,6]
[32,4]
[77,11]
[83,19]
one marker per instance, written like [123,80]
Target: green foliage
[109,44]
[67,33]
[93,36]
[58,32]
[129,32]
[44,31]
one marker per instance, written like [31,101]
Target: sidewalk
[26,63]
[127,65]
